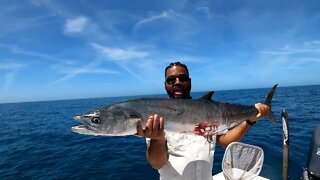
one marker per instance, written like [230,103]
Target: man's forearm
[157,153]
[236,134]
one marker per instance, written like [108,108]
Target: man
[185,156]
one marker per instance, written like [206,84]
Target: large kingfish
[202,116]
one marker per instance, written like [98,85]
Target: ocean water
[36,141]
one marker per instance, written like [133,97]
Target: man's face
[178,83]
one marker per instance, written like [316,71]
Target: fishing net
[242,161]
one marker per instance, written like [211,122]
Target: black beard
[186,92]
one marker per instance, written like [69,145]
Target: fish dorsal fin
[207,96]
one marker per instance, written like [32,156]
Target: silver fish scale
[201,117]
[184,112]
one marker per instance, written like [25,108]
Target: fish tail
[272,117]
[268,102]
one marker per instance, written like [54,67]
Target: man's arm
[237,133]
[157,153]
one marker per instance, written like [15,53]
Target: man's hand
[154,128]
[157,152]
[263,111]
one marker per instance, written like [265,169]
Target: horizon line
[156,94]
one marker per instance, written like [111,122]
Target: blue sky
[89,48]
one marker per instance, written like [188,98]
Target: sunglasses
[172,79]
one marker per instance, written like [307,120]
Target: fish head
[114,120]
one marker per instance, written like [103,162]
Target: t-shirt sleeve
[222,132]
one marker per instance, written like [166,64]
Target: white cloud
[40,3]
[310,48]
[76,25]
[12,66]
[9,79]
[72,72]
[163,15]
[299,57]
[119,54]
[17,50]
[210,15]
[89,69]
[312,43]
[205,10]
[170,14]
[121,57]
[11,70]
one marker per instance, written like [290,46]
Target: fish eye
[96,120]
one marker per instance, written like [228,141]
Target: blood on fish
[205,130]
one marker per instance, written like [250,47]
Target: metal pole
[286,146]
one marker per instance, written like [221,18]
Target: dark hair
[176,64]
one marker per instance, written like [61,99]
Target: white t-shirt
[190,157]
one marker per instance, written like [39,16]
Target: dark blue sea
[36,141]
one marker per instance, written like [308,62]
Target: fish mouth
[86,130]
[82,129]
